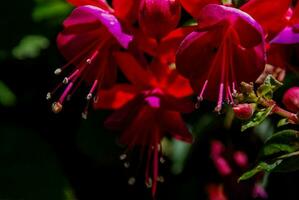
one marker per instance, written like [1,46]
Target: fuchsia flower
[90,36]
[148,110]
[158,17]
[227,48]
[156,96]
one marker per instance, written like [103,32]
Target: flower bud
[244,111]
[158,17]
[291,99]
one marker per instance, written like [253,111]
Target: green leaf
[30,47]
[258,118]
[7,97]
[262,166]
[281,143]
[269,86]
[283,122]
[51,9]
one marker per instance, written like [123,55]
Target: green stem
[296,153]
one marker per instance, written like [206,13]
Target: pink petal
[286,36]
[90,18]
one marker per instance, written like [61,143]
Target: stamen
[200,97]
[94,85]
[230,95]
[65,93]
[220,99]
[95,53]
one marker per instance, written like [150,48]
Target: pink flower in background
[227,48]
[90,36]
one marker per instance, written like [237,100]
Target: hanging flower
[90,36]
[227,48]
[157,97]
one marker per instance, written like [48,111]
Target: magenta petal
[91,15]
[153,101]
[286,36]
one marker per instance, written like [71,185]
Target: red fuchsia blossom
[227,48]
[90,36]
[154,99]
[158,17]
[244,111]
[291,99]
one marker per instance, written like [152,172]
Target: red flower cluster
[141,39]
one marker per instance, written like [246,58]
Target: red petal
[170,43]
[122,117]
[270,14]
[116,97]
[133,70]
[194,6]
[126,10]
[173,123]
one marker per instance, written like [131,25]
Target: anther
[65,80]
[131,181]
[149,183]
[161,179]
[162,160]
[89,96]
[123,156]
[88,61]
[57,71]
[126,164]
[84,114]
[49,96]
[56,107]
